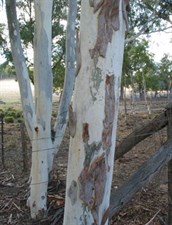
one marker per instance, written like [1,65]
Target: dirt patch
[151,201]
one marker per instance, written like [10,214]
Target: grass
[10,95]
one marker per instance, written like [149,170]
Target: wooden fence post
[24,147]
[169,136]
[2,139]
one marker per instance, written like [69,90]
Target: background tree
[139,68]
[165,74]
[26,23]
[146,17]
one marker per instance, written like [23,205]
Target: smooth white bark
[95,104]
[38,116]
[42,146]
[70,72]
[20,67]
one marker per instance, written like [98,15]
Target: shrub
[9,119]
[19,114]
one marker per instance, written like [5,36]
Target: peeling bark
[109,113]
[85,132]
[72,122]
[92,185]
[108,20]
[95,101]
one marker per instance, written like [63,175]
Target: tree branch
[143,29]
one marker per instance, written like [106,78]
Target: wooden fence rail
[139,179]
[149,168]
[138,135]
[2,139]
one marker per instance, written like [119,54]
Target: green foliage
[1,112]
[139,69]
[148,16]
[26,21]
[9,119]
[165,73]
[144,17]
[11,115]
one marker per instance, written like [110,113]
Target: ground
[149,204]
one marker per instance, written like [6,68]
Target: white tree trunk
[38,116]
[70,72]
[20,67]
[93,116]
[42,146]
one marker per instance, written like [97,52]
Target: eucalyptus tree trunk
[93,114]
[20,67]
[38,115]
[70,72]
[42,146]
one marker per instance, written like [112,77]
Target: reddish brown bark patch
[85,132]
[72,122]
[108,20]
[109,112]
[92,185]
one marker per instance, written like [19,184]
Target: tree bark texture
[42,146]
[93,114]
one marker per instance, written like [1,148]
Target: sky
[160,43]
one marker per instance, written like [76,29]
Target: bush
[9,119]
[1,112]
[19,114]
[10,112]
[20,120]
[12,115]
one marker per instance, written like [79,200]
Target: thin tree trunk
[42,146]
[125,99]
[132,95]
[145,95]
[93,115]
[70,72]
[20,67]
